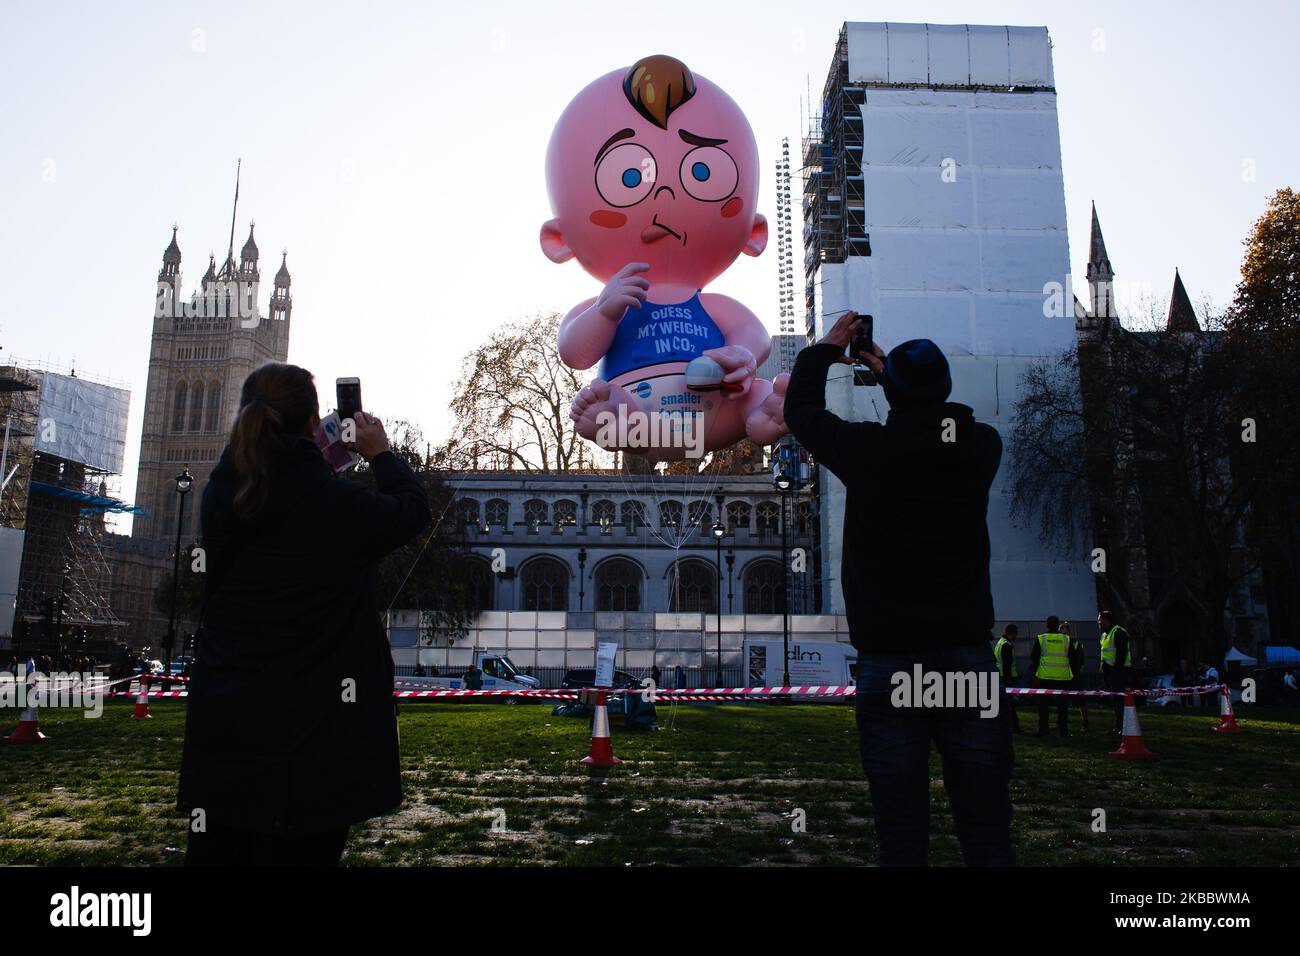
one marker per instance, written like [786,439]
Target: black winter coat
[915,557]
[291,724]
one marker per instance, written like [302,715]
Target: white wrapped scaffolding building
[934,200]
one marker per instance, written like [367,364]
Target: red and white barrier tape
[732,693]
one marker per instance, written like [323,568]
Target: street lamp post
[731,564]
[718,532]
[783,483]
[582,576]
[184,481]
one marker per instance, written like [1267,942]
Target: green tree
[1263,327]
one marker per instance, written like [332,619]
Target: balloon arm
[585,335]
[738,325]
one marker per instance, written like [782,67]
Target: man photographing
[915,577]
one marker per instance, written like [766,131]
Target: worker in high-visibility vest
[1116,662]
[1004,653]
[1049,660]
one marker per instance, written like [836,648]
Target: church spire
[248,257]
[281,300]
[171,266]
[1182,317]
[1101,277]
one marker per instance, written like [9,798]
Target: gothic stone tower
[201,352]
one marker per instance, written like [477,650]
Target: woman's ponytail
[276,406]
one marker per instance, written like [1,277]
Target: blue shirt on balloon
[654,334]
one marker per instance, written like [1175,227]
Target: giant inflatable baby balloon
[653,180]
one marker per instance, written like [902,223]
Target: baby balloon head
[653,164]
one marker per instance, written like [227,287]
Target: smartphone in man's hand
[859,346]
[347,397]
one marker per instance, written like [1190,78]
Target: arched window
[670,515]
[632,515]
[196,408]
[214,407]
[498,513]
[805,517]
[602,515]
[699,515]
[535,513]
[545,585]
[692,586]
[482,585]
[565,512]
[469,513]
[737,515]
[764,593]
[618,585]
[178,410]
[768,518]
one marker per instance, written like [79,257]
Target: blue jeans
[976,753]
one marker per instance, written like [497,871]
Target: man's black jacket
[915,556]
[291,726]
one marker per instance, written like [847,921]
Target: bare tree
[430,572]
[1128,443]
[511,405]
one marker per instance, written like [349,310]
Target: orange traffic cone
[1132,747]
[1227,722]
[29,728]
[141,711]
[602,751]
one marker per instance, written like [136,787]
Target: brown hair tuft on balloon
[657,85]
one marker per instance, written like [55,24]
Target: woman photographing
[291,732]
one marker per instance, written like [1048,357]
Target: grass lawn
[716,786]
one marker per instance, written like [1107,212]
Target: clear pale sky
[396,150]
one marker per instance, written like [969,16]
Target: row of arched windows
[764,518]
[619,585]
[193,403]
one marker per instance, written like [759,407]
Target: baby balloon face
[653,165]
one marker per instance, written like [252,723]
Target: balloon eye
[709,174]
[625,175]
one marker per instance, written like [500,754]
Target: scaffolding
[834,211]
[53,510]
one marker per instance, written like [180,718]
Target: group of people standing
[1056,662]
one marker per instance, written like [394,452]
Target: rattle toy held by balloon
[653,179]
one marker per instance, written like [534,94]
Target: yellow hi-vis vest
[1054,657]
[1108,651]
[997,656]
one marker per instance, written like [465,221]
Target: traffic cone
[602,751]
[1132,747]
[1227,722]
[29,728]
[141,711]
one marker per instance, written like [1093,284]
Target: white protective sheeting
[965,207]
[926,54]
[83,421]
